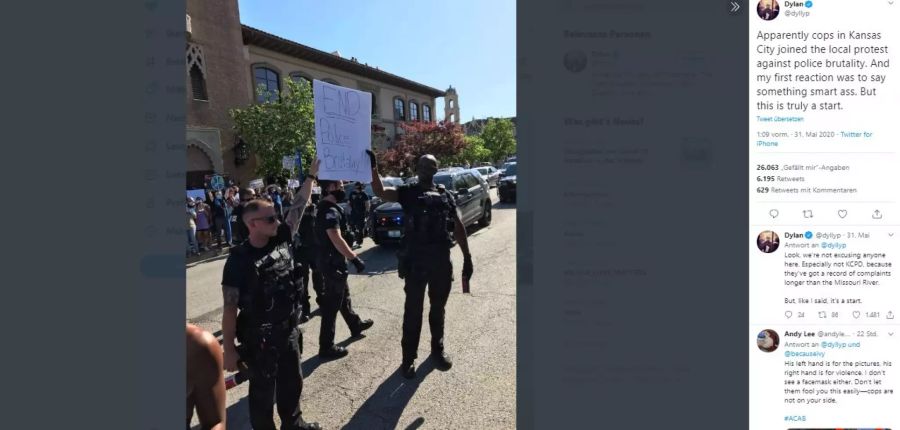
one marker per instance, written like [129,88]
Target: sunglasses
[269,219]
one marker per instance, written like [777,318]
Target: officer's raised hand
[467,268]
[359,264]
[372,160]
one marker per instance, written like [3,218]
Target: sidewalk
[213,254]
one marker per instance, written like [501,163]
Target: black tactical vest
[273,301]
[428,220]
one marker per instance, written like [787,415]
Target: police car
[470,190]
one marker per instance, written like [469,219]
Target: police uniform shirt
[240,270]
[329,216]
[358,201]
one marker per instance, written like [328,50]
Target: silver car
[490,174]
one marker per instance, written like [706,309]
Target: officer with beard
[331,231]
[425,257]
[262,310]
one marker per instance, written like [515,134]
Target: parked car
[375,201]
[490,174]
[472,194]
[507,185]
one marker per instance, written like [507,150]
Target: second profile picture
[767,340]
[768,9]
[768,241]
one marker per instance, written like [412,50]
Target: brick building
[227,61]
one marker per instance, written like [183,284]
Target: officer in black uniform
[262,309]
[359,210]
[305,251]
[424,259]
[332,235]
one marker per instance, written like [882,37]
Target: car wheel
[486,216]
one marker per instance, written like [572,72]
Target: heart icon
[842,213]
[788,314]
[855,314]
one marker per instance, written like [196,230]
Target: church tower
[451,106]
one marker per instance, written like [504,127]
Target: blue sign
[217,182]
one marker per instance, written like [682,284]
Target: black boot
[408,369]
[333,353]
[442,359]
[363,326]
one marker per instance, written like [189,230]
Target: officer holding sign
[425,256]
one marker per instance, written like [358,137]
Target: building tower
[451,106]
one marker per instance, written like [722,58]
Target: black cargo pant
[306,269]
[434,271]
[335,298]
[284,388]
[358,225]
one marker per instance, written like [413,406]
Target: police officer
[425,257]
[331,231]
[305,251]
[262,308]
[359,210]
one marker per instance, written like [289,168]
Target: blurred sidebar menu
[630,120]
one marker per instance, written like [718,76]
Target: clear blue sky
[465,43]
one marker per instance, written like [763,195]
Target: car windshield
[445,180]
[483,170]
[510,169]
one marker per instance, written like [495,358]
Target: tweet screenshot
[824,173]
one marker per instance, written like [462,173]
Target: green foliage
[473,152]
[279,127]
[499,138]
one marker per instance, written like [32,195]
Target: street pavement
[365,390]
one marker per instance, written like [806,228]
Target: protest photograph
[351,215]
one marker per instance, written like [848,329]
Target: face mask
[339,195]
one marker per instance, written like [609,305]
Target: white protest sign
[256,183]
[343,132]
[193,194]
[293,183]
[287,163]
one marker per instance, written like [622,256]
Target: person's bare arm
[388,194]
[231,295]
[340,244]
[209,391]
[301,199]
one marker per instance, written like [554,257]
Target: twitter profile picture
[575,61]
[768,241]
[768,9]
[767,340]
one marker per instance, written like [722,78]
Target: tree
[443,140]
[499,138]
[278,128]
[473,152]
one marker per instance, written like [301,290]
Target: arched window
[413,111]
[299,77]
[198,84]
[267,79]
[196,67]
[374,103]
[399,109]
[426,113]
[451,103]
